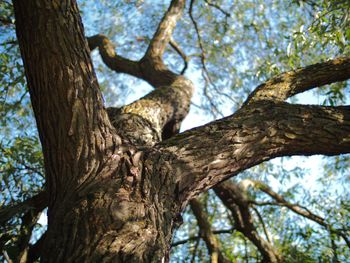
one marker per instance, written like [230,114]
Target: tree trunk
[105,202]
[124,216]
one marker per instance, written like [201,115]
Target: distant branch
[200,43]
[165,29]
[210,240]
[194,22]
[303,211]
[236,201]
[37,202]
[205,73]
[293,82]
[298,209]
[215,232]
[218,8]
[6,21]
[261,220]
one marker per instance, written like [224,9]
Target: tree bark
[105,202]
[116,191]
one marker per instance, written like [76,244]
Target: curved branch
[159,114]
[264,130]
[293,82]
[227,14]
[111,59]
[208,236]
[234,198]
[165,29]
[156,116]
[178,50]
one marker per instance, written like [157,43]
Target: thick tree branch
[206,155]
[293,82]
[156,116]
[233,197]
[165,29]
[159,114]
[209,238]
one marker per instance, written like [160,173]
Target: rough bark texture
[287,84]
[115,188]
[206,155]
[105,202]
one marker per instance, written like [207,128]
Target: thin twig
[205,72]
[178,50]
[216,232]
[218,8]
[263,224]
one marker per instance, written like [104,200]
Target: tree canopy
[219,58]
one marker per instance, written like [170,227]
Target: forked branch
[264,130]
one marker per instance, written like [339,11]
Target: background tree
[116,192]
